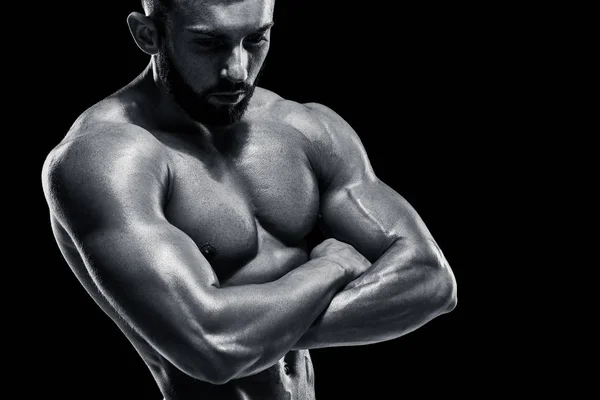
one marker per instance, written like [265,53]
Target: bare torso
[248,203]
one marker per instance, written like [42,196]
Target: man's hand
[343,254]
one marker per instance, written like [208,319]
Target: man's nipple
[208,250]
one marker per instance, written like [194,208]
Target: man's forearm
[407,287]
[262,322]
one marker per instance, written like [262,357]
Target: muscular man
[184,204]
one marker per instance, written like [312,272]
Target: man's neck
[169,116]
[167,111]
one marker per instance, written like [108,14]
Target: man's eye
[255,40]
[209,42]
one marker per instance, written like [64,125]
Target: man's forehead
[226,14]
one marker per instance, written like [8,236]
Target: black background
[426,88]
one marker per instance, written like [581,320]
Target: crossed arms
[381,277]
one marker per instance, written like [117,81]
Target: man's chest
[261,196]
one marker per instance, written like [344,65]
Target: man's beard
[196,105]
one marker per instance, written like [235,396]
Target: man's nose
[236,66]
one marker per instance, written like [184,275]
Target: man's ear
[144,32]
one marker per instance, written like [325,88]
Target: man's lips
[228,97]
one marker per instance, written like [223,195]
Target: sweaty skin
[195,240]
[133,204]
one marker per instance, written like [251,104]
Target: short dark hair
[158,10]
[156,5]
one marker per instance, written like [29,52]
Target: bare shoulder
[96,157]
[334,144]
[318,122]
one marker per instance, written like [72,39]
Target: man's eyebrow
[265,27]
[204,30]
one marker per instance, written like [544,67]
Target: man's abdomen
[292,378]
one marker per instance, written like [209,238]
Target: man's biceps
[155,291]
[154,252]
[372,214]
[402,219]
[354,224]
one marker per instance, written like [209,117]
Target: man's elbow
[212,363]
[440,281]
[213,373]
[228,366]
[449,294]
[445,288]
[202,369]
